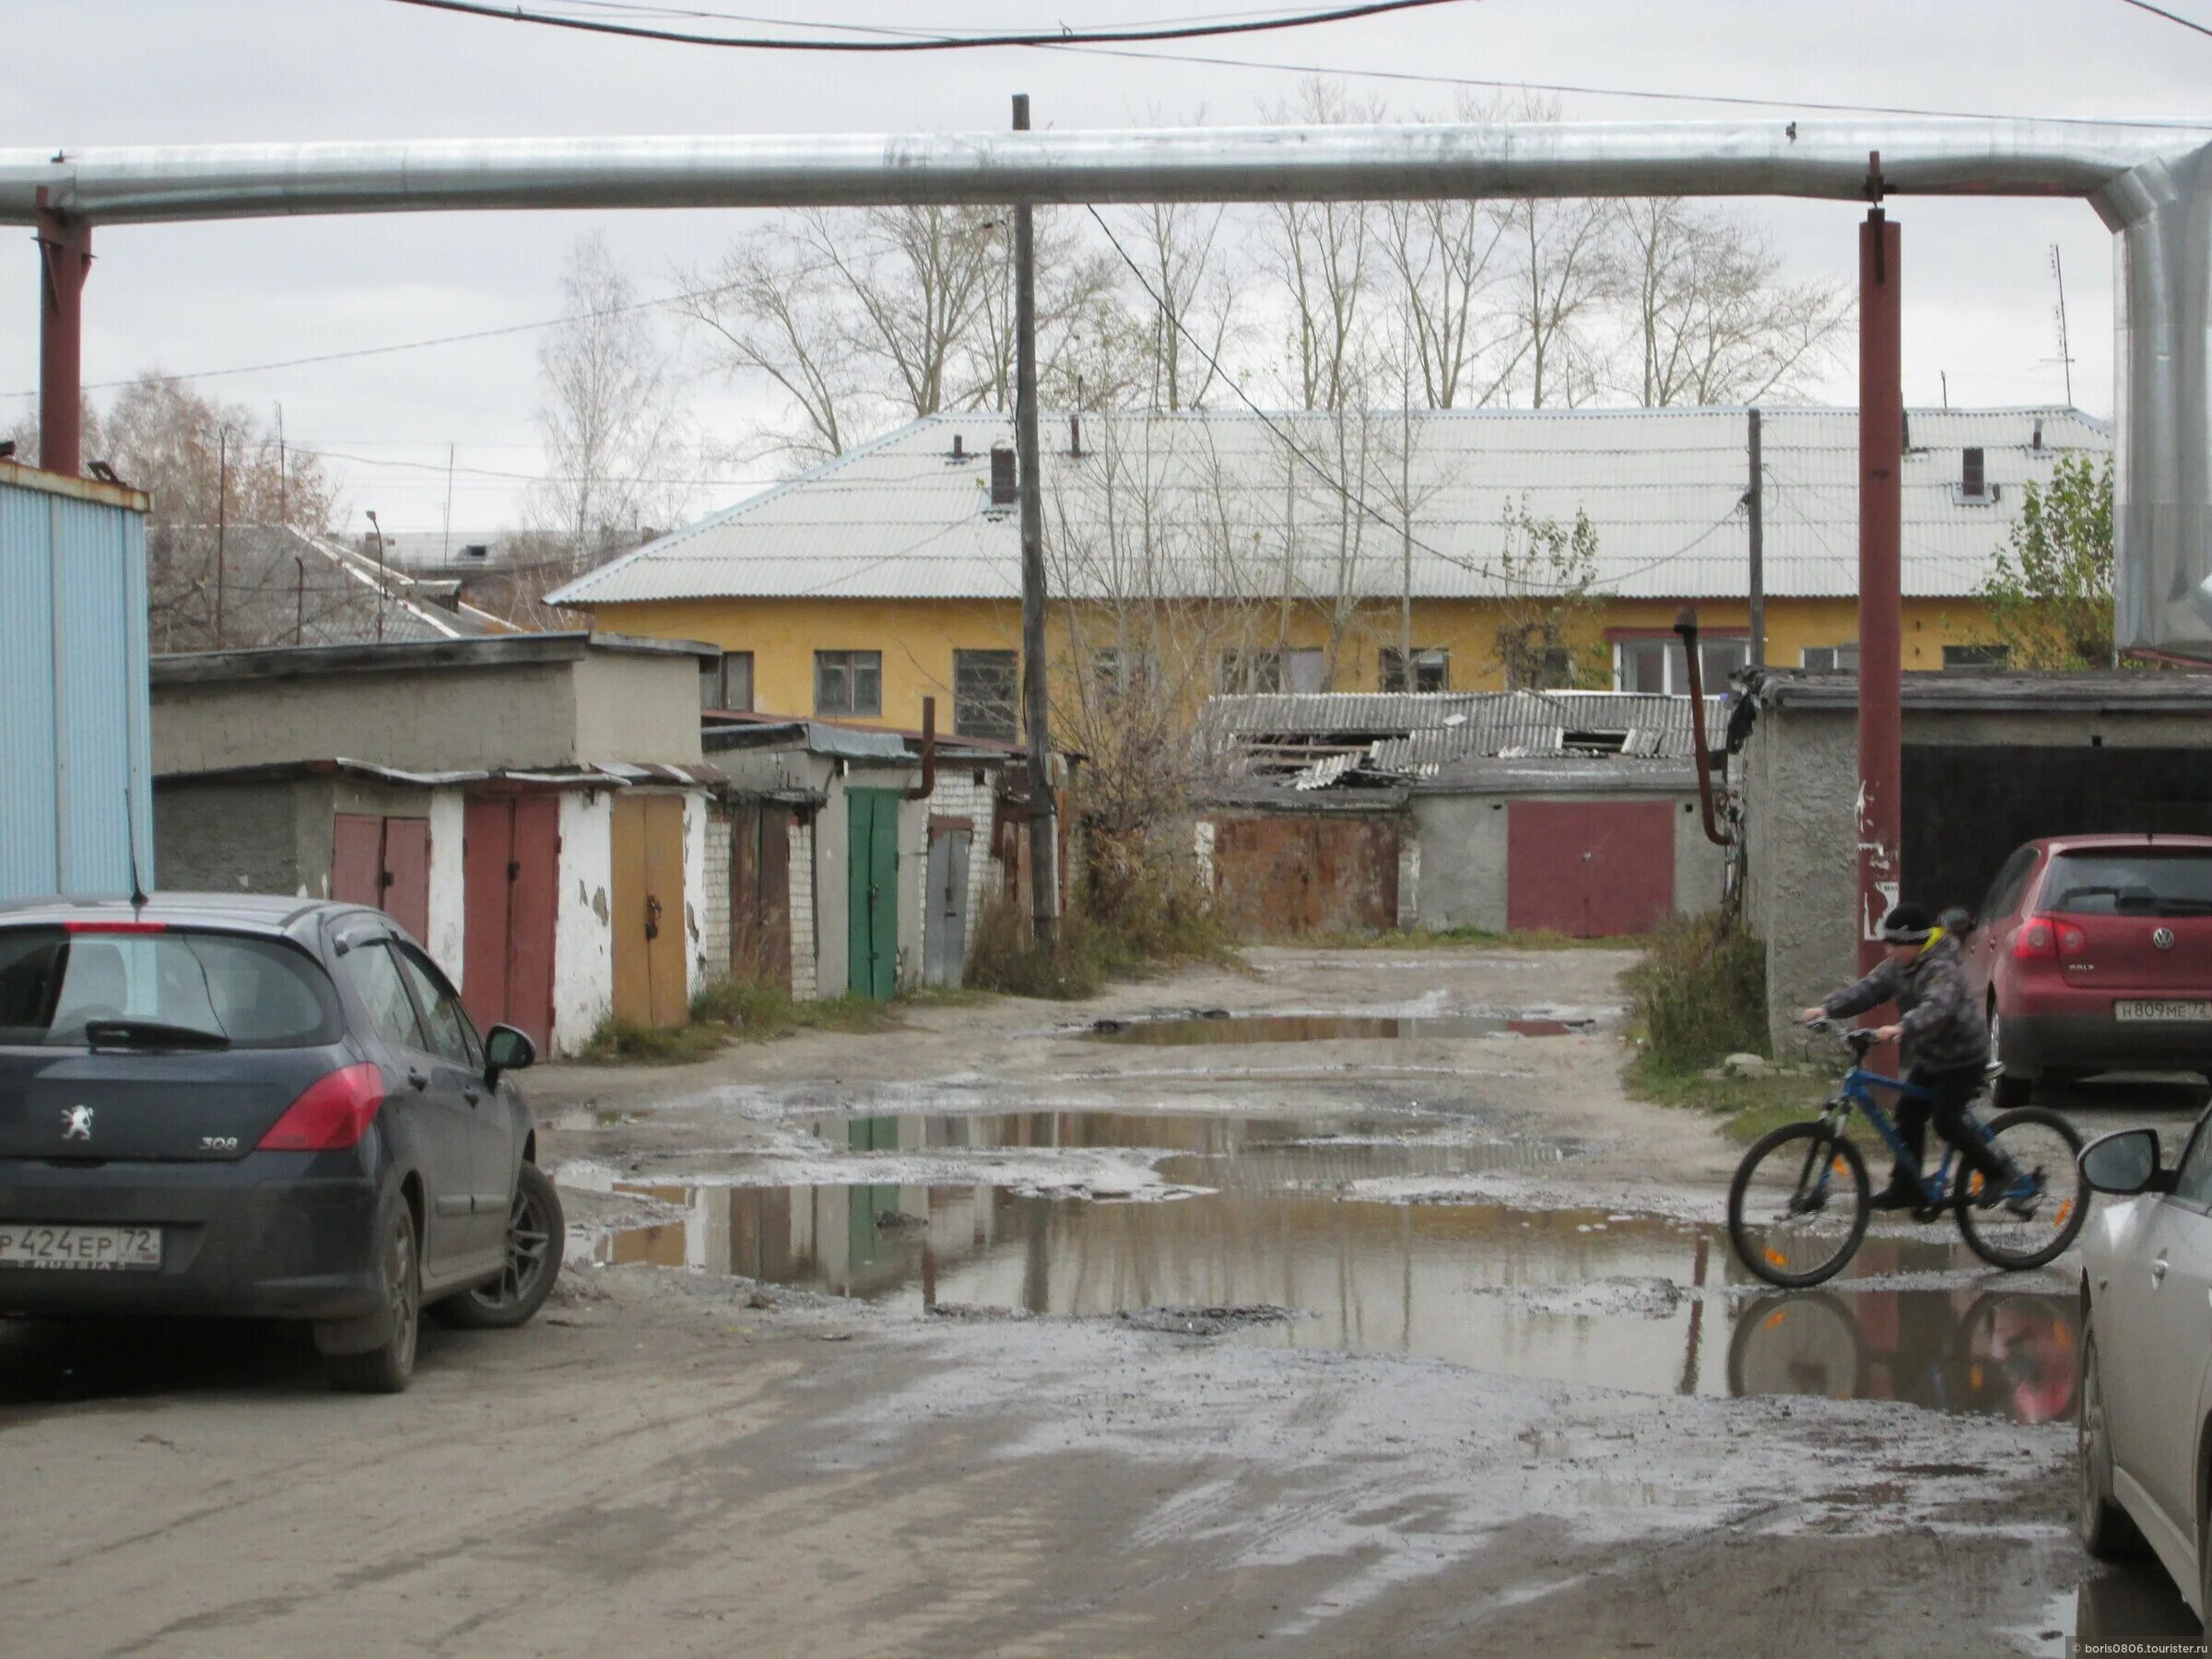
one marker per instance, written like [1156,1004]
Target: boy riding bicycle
[1946,1042]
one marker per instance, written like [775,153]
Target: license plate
[2162,1010]
[80,1249]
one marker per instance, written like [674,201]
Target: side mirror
[2126,1163]
[506,1050]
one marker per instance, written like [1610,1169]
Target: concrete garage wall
[517,716]
[1463,861]
[1464,871]
[636,708]
[1798,773]
[228,838]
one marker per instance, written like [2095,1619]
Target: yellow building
[1199,552]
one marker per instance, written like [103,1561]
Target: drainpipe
[928,786]
[1685,625]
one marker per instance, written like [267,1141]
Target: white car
[2146,1423]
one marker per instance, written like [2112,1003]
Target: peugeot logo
[76,1123]
[2162,937]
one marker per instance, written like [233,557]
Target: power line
[1350,496]
[1188,32]
[1794,104]
[2159,11]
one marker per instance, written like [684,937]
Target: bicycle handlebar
[1858,1038]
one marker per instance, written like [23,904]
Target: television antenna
[2058,316]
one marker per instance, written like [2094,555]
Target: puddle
[1223,1027]
[1631,1302]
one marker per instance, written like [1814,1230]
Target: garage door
[1277,877]
[1592,869]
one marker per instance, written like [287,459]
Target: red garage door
[384,862]
[510,891]
[1593,869]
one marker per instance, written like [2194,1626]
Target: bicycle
[1798,1205]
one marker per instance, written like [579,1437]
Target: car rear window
[2149,882]
[255,993]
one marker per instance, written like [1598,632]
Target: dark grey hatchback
[266,1109]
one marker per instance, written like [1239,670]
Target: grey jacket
[1942,1023]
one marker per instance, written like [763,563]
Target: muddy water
[1635,1302]
[1326,1028]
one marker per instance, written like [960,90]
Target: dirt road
[1382,1344]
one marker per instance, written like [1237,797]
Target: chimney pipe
[1074,434]
[1685,625]
[956,453]
[928,786]
[1004,492]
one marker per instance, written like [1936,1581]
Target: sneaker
[2013,1189]
[1895,1197]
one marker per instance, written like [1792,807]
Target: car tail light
[2072,941]
[78,927]
[2036,941]
[330,1114]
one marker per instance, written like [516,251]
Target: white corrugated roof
[1220,503]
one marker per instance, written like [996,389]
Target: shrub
[1699,995]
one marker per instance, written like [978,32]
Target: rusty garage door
[1279,877]
[1593,869]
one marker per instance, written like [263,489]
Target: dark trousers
[1949,1091]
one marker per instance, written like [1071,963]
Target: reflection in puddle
[1327,1028]
[1571,1295]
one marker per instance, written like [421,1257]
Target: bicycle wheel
[1797,1345]
[1797,1207]
[2033,1228]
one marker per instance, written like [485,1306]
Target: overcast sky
[1978,286]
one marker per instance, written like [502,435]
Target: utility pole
[1405,522]
[1044,844]
[1881,514]
[445,544]
[284,494]
[1755,504]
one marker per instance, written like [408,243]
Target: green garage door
[872,906]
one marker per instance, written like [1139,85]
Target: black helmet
[1907,924]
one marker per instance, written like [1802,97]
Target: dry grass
[1421,938]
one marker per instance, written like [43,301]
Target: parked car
[2095,954]
[2145,1417]
[260,1108]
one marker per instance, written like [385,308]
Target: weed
[1520,938]
[1748,1106]
[1699,995]
[757,1009]
[614,1039]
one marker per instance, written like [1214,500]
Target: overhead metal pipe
[1828,159]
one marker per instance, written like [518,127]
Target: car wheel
[387,1368]
[2106,1530]
[535,1236]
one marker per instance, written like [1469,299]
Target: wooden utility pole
[1045,843]
[1754,502]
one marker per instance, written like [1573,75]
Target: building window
[1977,656]
[1431,670]
[1306,669]
[1116,673]
[1832,659]
[848,682]
[1251,671]
[1657,666]
[728,683]
[985,691]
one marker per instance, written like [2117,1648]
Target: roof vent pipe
[2036,442]
[1074,434]
[958,454]
[1003,490]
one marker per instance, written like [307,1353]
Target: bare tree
[608,408]
[1710,321]
[1192,310]
[1319,254]
[1564,272]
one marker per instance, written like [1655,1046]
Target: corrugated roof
[281,586]
[1219,503]
[1418,732]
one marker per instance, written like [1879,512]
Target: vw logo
[76,1123]
[2162,937]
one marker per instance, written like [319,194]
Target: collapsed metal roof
[1338,740]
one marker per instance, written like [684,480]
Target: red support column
[64,256]
[1881,453]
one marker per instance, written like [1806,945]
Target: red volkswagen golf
[2096,953]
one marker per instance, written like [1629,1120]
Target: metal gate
[1590,870]
[945,917]
[652,979]
[872,892]
[384,862]
[510,891]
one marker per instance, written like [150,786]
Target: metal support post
[65,257]
[1881,712]
[1754,507]
[1036,704]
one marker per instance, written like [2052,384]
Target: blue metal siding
[75,744]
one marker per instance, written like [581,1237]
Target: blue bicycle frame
[1857,1090]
